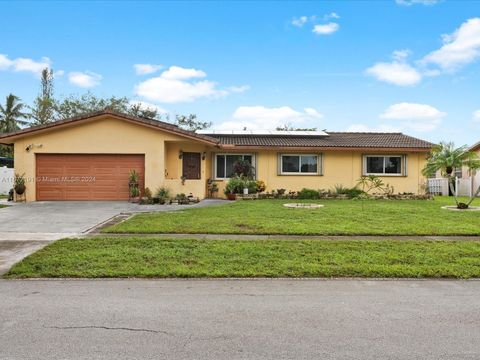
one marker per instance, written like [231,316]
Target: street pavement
[239,319]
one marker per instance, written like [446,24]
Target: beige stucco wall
[164,168]
[113,136]
[339,167]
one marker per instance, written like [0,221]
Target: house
[89,158]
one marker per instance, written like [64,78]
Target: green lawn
[156,257]
[338,217]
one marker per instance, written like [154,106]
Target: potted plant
[183,178]
[133,186]
[19,184]
[134,194]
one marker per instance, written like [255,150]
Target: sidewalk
[295,237]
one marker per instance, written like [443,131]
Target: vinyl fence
[6,179]
[439,186]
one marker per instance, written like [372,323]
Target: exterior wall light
[31,146]
[180,154]
[204,155]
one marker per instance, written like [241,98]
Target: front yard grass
[338,217]
[157,257]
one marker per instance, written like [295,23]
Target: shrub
[236,185]
[349,192]
[354,193]
[243,168]
[148,193]
[308,194]
[261,186]
[251,185]
[163,192]
[339,189]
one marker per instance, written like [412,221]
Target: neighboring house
[89,158]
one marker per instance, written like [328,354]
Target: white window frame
[226,154]
[299,173]
[403,164]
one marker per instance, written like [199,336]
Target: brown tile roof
[148,122]
[333,140]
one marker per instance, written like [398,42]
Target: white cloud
[332,15]
[417,117]
[413,2]
[85,79]
[476,116]
[396,72]
[177,84]
[58,73]
[148,106]
[459,48]
[24,64]
[300,21]
[144,69]
[238,89]
[313,113]
[367,128]
[326,29]
[179,73]
[265,118]
[5,62]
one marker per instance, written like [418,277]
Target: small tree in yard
[369,183]
[445,158]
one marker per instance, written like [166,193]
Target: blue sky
[392,65]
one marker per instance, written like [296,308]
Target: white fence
[6,180]
[439,186]
[463,187]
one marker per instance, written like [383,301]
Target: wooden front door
[191,165]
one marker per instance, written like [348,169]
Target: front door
[191,165]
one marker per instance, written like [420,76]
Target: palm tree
[445,158]
[11,115]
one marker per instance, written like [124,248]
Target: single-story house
[89,157]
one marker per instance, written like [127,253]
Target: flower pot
[20,189]
[231,196]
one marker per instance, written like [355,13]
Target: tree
[12,115]
[191,123]
[446,158]
[77,105]
[11,118]
[43,109]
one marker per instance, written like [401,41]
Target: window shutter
[364,165]
[405,165]
[320,164]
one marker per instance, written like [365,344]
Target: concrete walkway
[295,237]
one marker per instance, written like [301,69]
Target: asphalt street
[239,319]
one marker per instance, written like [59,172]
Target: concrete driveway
[26,228]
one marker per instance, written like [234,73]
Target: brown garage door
[86,177]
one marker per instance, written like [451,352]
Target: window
[383,165]
[224,164]
[299,164]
